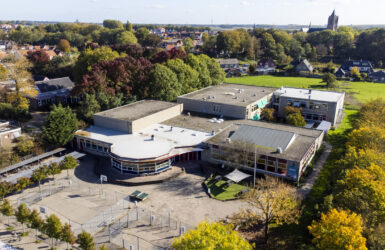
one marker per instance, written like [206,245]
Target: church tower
[333,21]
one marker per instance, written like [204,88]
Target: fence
[144,229]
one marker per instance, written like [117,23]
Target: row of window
[314,117]
[91,145]
[308,105]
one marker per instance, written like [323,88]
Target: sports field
[361,91]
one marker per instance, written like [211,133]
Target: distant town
[118,135]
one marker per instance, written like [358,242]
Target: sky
[197,11]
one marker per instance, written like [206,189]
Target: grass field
[221,193]
[361,91]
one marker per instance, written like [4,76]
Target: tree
[271,201]
[164,83]
[67,235]
[141,34]
[53,227]
[89,57]
[64,45]
[88,106]
[363,191]
[338,229]
[368,137]
[126,37]
[5,188]
[214,235]
[24,146]
[3,73]
[252,68]
[268,114]
[36,221]
[296,119]
[217,74]
[330,80]
[152,40]
[7,209]
[22,214]
[112,24]
[355,72]
[188,45]
[20,72]
[53,169]
[39,175]
[22,183]
[201,67]
[85,241]
[69,162]
[60,126]
[128,26]
[187,76]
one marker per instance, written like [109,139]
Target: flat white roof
[139,144]
[315,95]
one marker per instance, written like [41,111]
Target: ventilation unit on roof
[212,132]
[213,97]
[279,150]
[171,128]
[255,94]
[309,91]
[235,97]
[188,114]
[209,97]
[244,100]
[152,137]
[239,91]
[228,140]
[263,90]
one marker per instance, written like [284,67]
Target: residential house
[378,76]
[364,66]
[53,91]
[302,66]
[229,63]
[266,65]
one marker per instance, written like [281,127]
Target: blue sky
[197,11]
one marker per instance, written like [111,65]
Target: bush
[7,111]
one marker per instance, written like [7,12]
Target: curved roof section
[140,146]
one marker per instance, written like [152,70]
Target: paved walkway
[310,180]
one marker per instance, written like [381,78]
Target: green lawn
[220,193]
[361,91]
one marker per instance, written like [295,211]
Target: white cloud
[157,6]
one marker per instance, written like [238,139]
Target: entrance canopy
[237,176]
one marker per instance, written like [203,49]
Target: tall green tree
[330,80]
[22,183]
[89,57]
[39,174]
[53,169]
[217,74]
[85,241]
[296,119]
[112,24]
[186,75]
[88,106]
[60,126]
[69,162]
[126,37]
[53,228]
[22,214]
[164,84]
[201,67]
[7,209]
[67,235]
[5,188]
[36,221]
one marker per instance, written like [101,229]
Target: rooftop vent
[263,90]
[213,97]
[279,150]
[212,132]
[188,114]
[309,91]
[209,97]
[255,94]
[235,97]
[204,99]
[244,100]
[152,137]
[228,140]
[239,91]
[171,128]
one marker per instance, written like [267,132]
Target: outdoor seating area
[139,195]
[228,187]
